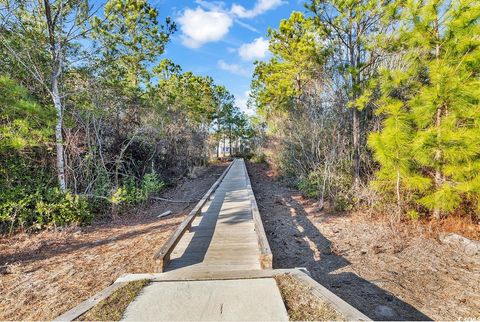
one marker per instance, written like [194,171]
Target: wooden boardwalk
[223,237]
[216,266]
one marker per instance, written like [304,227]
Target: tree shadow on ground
[48,251]
[296,242]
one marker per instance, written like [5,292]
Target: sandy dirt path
[385,273]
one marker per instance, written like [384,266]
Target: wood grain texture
[225,234]
[162,257]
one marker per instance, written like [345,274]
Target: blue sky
[223,38]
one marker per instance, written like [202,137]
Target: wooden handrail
[162,257]
[266,257]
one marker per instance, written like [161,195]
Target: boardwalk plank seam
[162,257]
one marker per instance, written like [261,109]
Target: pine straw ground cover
[388,272]
[301,304]
[46,274]
[113,307]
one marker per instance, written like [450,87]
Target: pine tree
[297,58]
[441,46]
[132,37]
[392,145]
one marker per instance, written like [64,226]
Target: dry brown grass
[52,272]
[466,226]
[301,304]
[46,274]
[370,262]
[113,307]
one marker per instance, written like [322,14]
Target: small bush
[151,184]
[335,188]
[343,203]
[309,186]
[258,157]
[45,208]
[133,192]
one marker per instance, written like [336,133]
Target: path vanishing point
[217,265]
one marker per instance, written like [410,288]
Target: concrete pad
[214,300]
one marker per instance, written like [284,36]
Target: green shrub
[258,157]
[343,203]
[151,184]
[309,186]
[133,192]
[44,208]
[335,188]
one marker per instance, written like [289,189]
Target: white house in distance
[222,149]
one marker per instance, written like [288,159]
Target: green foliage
[351,30]
[317,184]
[119,112]
[311,185]
[428,148]
[133,37]
[297,57]
[343,203]
[41,208]
[23,122]
[152,184]
[132,192]
[184,93]
[27,198]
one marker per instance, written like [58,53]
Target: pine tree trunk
[399,197]
[438,178]
[57,102]
[59,135]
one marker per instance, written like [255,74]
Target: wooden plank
[266,257]
[225,237]
[162,257]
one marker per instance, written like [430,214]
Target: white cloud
[199,26]
[260,7]
[232,68]
[211,5]
[257,49]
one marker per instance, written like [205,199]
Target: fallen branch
[166,213]
[175,201]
